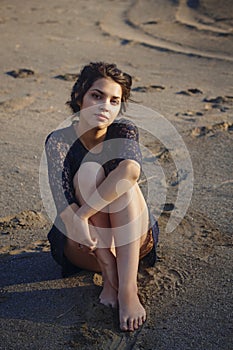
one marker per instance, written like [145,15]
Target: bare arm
[118,182]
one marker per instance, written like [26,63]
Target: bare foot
[107,262]
[131,312]
[108,295]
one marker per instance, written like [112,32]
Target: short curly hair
[91,73]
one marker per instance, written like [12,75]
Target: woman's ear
[78,102]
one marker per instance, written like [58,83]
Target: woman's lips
[102,116]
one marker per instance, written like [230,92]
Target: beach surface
[180,55]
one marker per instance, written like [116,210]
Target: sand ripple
[165,34]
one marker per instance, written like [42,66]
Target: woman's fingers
[81,232]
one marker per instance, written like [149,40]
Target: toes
[136,323]
[124,325]
[131,324]
[140,321]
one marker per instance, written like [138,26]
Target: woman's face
[101,103]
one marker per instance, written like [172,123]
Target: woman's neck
[90,137]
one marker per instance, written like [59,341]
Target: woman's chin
[100,124]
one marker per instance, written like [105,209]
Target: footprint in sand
[190,115]
[195,238]
[219,99]
[148,88]
[177,177]
[160,281]
[212,129]
[219,103]
[37,246]
[153,149]
[21,73]
[24,219]
[67,76]
[190,92]
[168,207]
[34,247]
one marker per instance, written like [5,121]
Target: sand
[180,56]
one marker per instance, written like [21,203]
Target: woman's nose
[104,106]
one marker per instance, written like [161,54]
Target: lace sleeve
[59,170]
[129,141]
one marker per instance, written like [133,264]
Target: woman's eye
[115,102]
[96,96]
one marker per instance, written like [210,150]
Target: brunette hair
[91,73]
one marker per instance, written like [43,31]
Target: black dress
[65,153]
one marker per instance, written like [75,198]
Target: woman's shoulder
[66,135]
[123,123]
[123,127]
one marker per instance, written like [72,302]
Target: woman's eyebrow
[102,93]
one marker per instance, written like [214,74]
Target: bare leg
[81,257]
[101,261]
[131,312]
[89,177]
[127,225]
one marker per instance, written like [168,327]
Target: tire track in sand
[119,25]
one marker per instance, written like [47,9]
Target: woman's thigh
[80,257]
[85,181]
[124,220]
[129,217]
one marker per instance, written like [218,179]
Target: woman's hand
[81,232]
[77,227]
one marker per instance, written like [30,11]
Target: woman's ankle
[107,263]
[127,289]
[105,256]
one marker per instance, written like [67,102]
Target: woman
[94,165]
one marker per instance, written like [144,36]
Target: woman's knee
[131,210]
[87,179]
[125,201]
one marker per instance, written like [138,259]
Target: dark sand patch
[76,310]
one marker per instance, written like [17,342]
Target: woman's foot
[107,262]
[131,312]
[108,296]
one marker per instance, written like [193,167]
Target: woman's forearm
[118,182]
[77,229]
[67,214]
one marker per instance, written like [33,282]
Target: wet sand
[180,58]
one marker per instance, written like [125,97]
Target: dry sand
[181,59]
